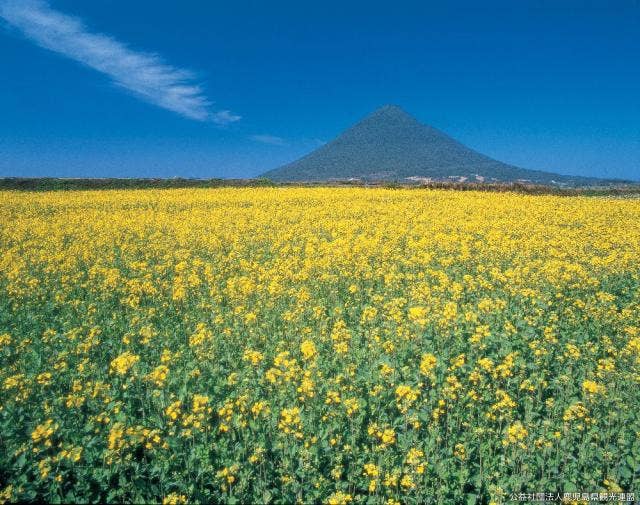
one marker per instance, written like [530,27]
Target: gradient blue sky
[114,88]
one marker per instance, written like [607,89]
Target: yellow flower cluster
[308,350]
[339,498]
[253,357]
[405,397]
[123,363]
[174,499]
[290,421]
[385,436]
[428,364]
[516,433]
[592,388]
[43,432]
[159,375]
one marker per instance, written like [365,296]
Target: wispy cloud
[143,74]
[265,138]
[224,117]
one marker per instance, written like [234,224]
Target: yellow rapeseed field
[334,345]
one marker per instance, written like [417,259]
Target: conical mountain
[391,145]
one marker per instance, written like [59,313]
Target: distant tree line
[60,184]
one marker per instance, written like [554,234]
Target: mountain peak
[387,121]
[390,144]
[391,110]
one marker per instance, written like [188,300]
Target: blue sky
[113,88]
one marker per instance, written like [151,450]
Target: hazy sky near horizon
[113,88]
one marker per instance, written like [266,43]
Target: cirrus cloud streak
[145,75]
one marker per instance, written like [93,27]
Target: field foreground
[319,345]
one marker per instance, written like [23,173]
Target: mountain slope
[389,144]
